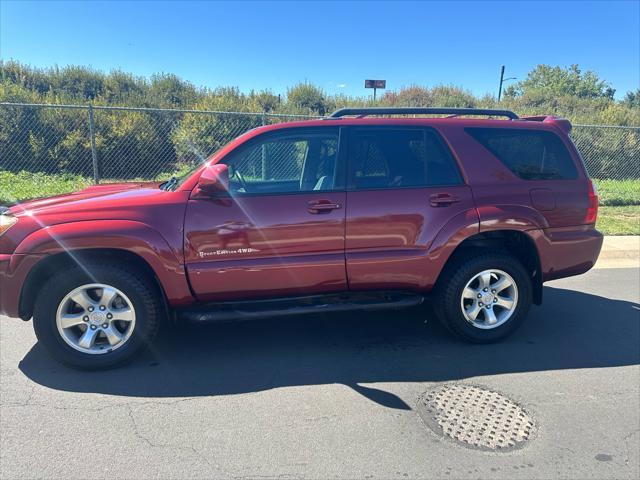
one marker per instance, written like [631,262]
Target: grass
[23,185]
[619,199]
[26,185]
[618,192]
[624,220]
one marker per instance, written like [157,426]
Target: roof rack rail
[363,112]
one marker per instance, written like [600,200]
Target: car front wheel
[97,316]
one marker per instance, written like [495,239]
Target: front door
[404,186]
[280,231]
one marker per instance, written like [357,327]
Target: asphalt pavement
[335,396]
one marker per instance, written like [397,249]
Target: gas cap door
[542,199]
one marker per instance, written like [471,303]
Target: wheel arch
[51,264]
[122,237]
[516,242]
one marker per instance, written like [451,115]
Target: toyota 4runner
[358,211]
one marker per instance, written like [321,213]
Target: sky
[335,45]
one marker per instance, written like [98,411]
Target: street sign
[375,84]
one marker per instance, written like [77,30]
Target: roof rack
[363,112]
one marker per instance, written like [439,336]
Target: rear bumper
[567,251]
[13,273]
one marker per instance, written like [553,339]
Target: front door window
[285,163]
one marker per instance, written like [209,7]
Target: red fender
[132,236]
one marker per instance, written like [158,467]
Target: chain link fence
[100,144]
[117,143]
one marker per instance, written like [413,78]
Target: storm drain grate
[476,417]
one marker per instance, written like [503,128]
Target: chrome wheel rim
[96,318]
[489,299]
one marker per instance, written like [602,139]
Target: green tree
[32,79]
[16,125]
[130,145]
[632,99]
[308,99]
[413,96]
[438,96]
[121,88]
[81,83]
[197,136]
[265,101]
[558,81]
[170,91]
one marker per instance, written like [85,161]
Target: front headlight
[6,222]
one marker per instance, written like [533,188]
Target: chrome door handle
[442,199]
[322,206]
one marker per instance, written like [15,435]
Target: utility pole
[502,80]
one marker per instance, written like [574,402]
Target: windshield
[182,174]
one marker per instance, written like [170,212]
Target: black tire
[452,281]
[144,295]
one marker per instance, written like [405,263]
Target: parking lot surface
[336,396]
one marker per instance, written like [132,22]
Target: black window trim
[292,132]
[438,136]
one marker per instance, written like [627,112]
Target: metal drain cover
[475,417]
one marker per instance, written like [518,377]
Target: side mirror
[213,181]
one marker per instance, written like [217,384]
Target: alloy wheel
[489,299]
[95,318]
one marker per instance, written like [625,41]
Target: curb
[619,252]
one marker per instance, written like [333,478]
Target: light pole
[502,80]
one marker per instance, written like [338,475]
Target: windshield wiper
[169,184]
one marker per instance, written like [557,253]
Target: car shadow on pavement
[571,330]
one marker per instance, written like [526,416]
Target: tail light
[592,210]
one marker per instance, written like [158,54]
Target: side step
[278,307]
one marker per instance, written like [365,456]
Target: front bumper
[4,267]
[14,270]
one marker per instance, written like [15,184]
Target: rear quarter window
[529,154]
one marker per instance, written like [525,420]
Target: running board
[278,307]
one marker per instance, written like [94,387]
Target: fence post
[94,152]
[264,151]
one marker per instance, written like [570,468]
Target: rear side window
[529,154]
[395,158]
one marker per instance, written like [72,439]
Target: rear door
[403,187]
[281,229]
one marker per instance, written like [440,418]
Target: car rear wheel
[97,316]
[483,297]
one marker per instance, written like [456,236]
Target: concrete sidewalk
[620,252]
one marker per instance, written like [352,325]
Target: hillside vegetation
[139,144]
[583,97]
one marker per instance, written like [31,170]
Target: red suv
[349,212]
